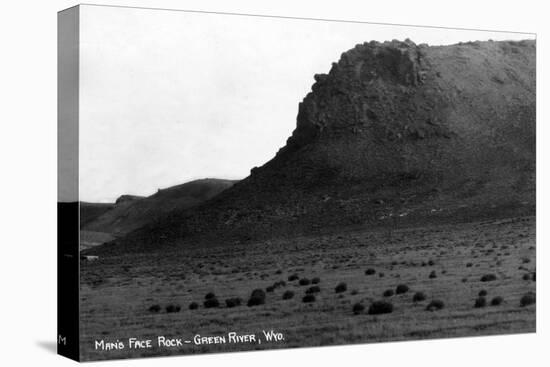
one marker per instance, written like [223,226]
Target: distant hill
[90,211]
[131,212]
[395,134]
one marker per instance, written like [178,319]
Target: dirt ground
[117,292]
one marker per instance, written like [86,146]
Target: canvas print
[239,182]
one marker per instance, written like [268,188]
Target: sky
[171,96]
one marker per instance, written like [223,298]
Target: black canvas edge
[68,207]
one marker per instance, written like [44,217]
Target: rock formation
[395,134]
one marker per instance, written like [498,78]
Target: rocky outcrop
[349,97]
[127,198]
[394,133]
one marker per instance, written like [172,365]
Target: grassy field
[119,294]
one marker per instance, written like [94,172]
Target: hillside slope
[91,211]
[395,134]
[130,212]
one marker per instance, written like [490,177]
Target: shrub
[173,308]
[304,281]
[419,297]
[433,275]
[154,308]
[341,287]
[482,293]
[354,292]
[193,305]
[381,275]
[308,298]
[211,303]
[288,295]
[314,289]
[435,305]
[209,295]
[293,277]
[256,298]
[528,299]
[233,302]
[315,280]
[401,288]
[480,302]
[488,278]
[380,307]
[358,308]
[469,265]
[270,289]
[497,301]
[431,263]
[370,271]
[388,293]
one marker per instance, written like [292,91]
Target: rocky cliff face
[398,108]
[395,133]
[353,95]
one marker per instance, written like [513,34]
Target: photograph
[238,182]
